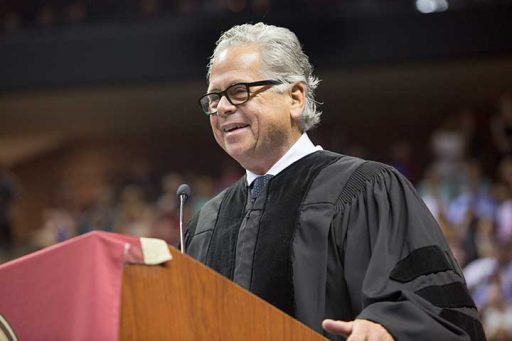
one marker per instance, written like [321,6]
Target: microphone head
[184,190]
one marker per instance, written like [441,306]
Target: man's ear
[298,100]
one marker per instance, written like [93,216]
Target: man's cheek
[218,137]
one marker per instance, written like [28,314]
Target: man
[335,241]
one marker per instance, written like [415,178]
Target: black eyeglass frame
[247,87]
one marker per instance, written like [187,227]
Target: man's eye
[237,91]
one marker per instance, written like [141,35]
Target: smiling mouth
[233,128]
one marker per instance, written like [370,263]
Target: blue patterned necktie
[258,185]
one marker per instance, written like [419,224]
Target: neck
[260,164]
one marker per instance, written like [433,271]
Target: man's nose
[224,107]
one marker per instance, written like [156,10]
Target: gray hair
[283,58]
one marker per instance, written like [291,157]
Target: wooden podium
[184,300]
[98,287]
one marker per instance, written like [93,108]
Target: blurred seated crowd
[473,204]
[136,202]
[467,188]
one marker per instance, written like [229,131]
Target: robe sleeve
[398,267]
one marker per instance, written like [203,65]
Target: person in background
[8,192]
[501,126]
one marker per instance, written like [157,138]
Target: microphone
[183,194]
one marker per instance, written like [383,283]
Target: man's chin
[239,153]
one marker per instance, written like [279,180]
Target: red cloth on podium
[70,291]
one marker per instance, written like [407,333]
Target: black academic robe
[337,237]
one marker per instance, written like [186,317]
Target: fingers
[358,330]
[368,331]
[337,327]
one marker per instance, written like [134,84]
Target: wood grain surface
[184,300]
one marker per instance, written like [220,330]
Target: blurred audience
[474,209]
[100,214]
[166,224]
[58,225]
[401,157]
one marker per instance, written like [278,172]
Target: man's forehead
[242,53]
[235,64]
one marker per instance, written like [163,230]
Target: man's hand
[357,330]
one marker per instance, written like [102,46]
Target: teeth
[226,130]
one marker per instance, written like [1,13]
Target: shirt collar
[301,148]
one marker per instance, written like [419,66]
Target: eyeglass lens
[236,94]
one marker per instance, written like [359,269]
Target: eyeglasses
[236,94]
